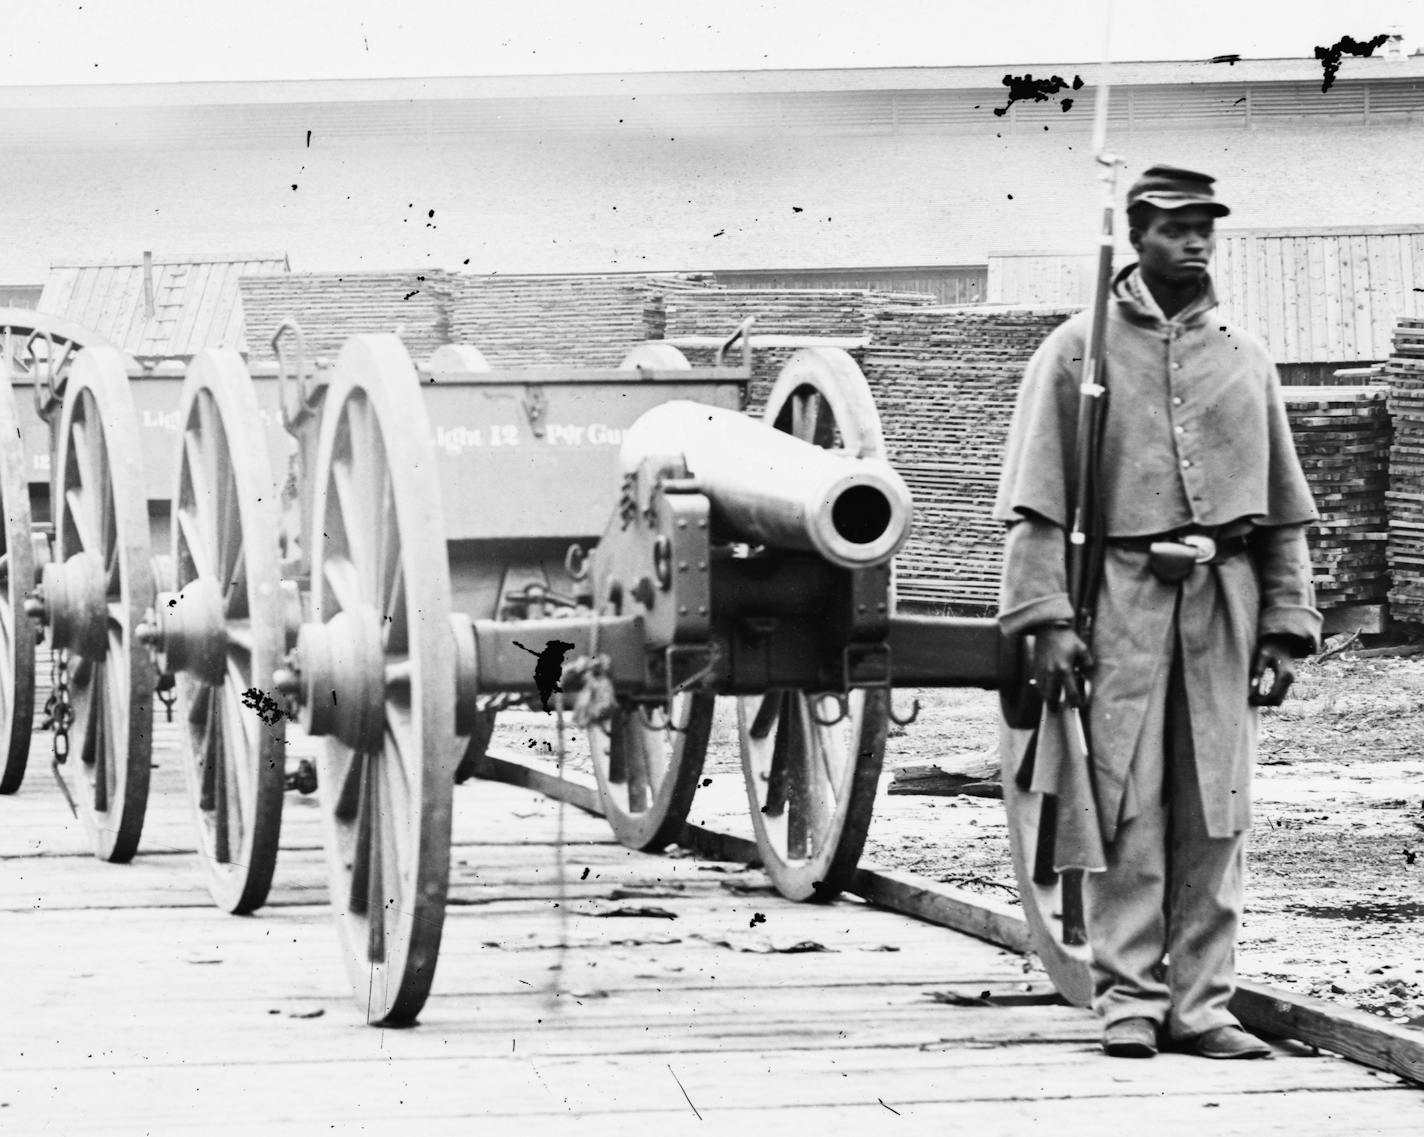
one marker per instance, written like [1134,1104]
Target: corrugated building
[158,308]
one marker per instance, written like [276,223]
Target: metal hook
[646,714]
[293,412]
[907,719]
[742,333]
[842,710]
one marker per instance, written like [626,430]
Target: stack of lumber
[584,321]
[945,380]
[698,310]
[334,306]
[1405,374]
[1342,436]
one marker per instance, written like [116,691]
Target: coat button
[1176,400]
[1186,463]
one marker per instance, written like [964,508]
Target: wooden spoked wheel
[224,629]
[1067,966]
[811,762]
[378,673]
[648,763]
[97,593]
[17,578]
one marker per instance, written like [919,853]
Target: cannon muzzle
[770,488]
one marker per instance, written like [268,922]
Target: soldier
[1205,588]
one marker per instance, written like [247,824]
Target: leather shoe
[1130,1038]
[1227,1042]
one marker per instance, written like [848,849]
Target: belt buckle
[1204,545]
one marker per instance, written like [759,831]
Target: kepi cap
[1169,187]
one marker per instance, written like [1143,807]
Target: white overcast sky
[130,41]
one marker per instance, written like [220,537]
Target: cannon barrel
[768,487]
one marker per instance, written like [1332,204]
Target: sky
[134,41]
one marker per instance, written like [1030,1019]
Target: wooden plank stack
[586,321]
[1342,437]
[333,306]
[1405,374]
[702,309]
[945,380]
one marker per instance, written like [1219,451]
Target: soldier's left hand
[1273,656]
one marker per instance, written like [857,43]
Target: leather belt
[1210,550]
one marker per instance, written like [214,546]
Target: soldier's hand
[1059,660]
[1274,657]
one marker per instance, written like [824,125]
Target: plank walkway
[635,995]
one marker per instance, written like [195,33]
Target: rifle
[1086,535]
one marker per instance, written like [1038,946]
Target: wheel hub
[343,679]
[75,605]
[192,632]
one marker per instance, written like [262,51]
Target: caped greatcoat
[1196,435]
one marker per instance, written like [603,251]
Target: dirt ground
[1335,887]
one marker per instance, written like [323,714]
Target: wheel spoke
[375,879]
[198,704]
[657,743]
[355,518]
[358,896]
[346,782]
[395,636]
[832,750]
[341,578]
[203,501]
[777,782]
[396,780]
[766,715]
[239,637]
[76,502]
[805,414]
[628,737]
[387,550]
[194,540]
[207,746]
[244,741]
[210,431]
[221,776]
[235,600]
[796,727]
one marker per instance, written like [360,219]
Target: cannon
[383,579]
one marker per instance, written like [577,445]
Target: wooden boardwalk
[581,989]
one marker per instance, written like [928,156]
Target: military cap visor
[1168,187]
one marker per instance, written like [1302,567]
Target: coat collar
[1137,303]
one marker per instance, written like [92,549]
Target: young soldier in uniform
[1197,460]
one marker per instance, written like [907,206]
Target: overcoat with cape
[1195,435]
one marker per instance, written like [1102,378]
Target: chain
[59,715]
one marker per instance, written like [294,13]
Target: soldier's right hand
[1060,660]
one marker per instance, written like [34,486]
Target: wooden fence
[1329,295]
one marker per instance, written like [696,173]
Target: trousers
[1163,919]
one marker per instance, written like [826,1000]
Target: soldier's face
[1175,246]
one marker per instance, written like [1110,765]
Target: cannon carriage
[439,541]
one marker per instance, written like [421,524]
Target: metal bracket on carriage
[294,413]
[743,333]
[536,409]
[905,720]
[532,602]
